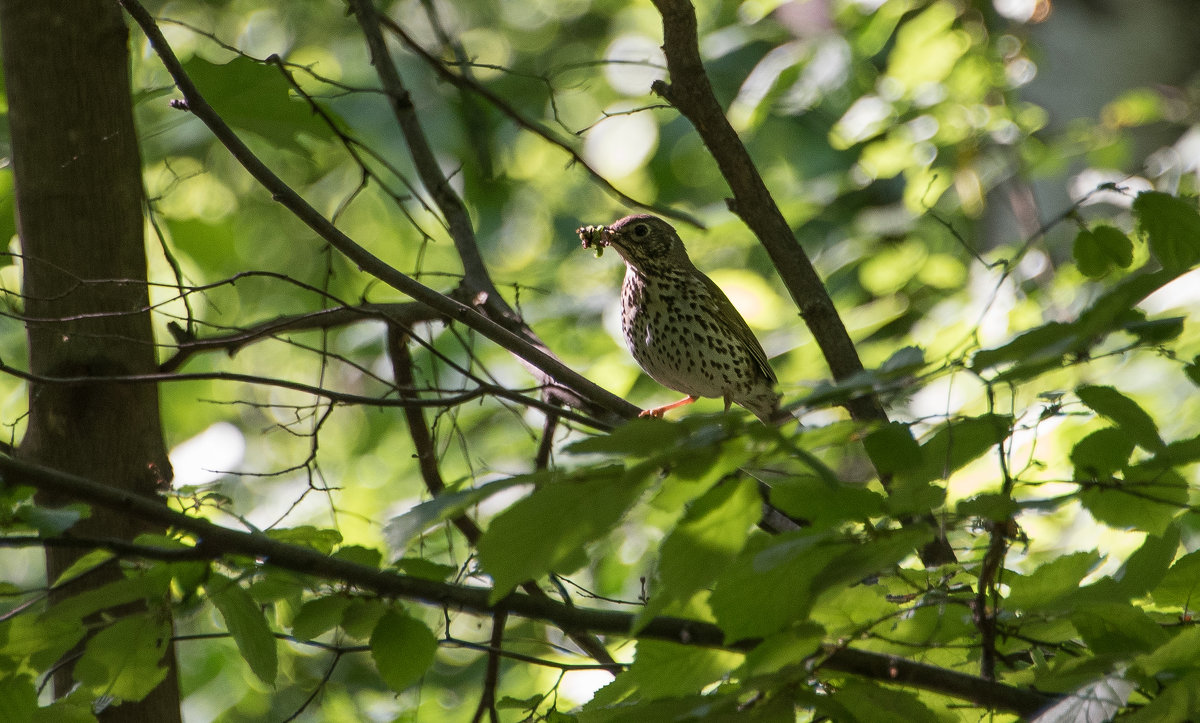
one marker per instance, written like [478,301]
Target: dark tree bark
[79,202]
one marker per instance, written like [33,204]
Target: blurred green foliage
[1043,397]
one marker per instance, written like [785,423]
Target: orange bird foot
[658,412]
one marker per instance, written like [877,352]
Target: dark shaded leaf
[892,448]
[247,626]
[1101,249]
[403,649]
[1172,227]
[255,97]
[1102,453]
[318,616]
[1124,412]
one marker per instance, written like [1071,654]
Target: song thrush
[679,325]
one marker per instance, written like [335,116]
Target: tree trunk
[78,183]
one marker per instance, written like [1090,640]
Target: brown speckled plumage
[679,325]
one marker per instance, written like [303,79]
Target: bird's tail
[766,408]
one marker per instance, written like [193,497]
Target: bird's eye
[641,230]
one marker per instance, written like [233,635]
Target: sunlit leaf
[551,527]
[664,670]
[1050,582]
[703,543]
[125,659]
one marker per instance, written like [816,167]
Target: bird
[681,329]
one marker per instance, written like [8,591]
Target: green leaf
[316,538]
[1180,586]
[1172,227]
[665,670]
[318,616]
[1124,412]
[867,701]
[1154,332]
[29,635]
[642,437]
[549,529]
[989,506]
[1117,629]
[424,569]
[125,659]
[1193,371]
[1050,583]
[703,543]
[903,359]
[359,555]
[952,446]
[255,97]
[774,583]
[1146,567]
[1146,500]
[1097,251]
[362,615]
[52,521]
[403,649]
[1102,453]
[892,448]
[18,698]
[958,442]
[401,530]
[823,504]
[88,561]
[1179,653]
[1032,351]
[247,625]
[151,584]
[1179,702]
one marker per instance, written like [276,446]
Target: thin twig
[586,391]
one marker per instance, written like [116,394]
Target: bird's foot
[658,412]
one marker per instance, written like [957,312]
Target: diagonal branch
[691,93]
[585,394]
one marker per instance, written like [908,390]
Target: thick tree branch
[691,93]
[221,541]
[600,400]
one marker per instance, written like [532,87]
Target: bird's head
[646,243]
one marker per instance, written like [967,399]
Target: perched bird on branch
[679,326]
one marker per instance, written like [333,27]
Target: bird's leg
[658,412]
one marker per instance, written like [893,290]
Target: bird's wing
[738,326]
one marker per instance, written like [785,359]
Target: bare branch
[585,392]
